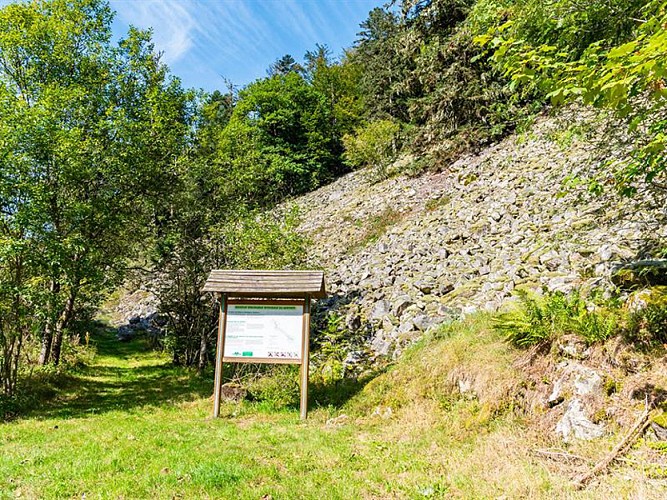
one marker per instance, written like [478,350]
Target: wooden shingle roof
[273,284]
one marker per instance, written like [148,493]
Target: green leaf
[623,50]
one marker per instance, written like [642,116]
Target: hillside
[408,253]
[417,268]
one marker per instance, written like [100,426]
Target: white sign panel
[267,331]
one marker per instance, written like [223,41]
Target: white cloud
[173,23]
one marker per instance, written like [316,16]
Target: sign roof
[265,283]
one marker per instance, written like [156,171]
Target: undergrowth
[537,319]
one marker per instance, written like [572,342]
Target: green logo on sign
[247,353]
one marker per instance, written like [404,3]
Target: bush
[277,386]
[542,319]
[374,145]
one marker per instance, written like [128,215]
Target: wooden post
[219,353]
[305,355]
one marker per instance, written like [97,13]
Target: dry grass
[480,442]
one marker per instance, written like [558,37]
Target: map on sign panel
[268,331]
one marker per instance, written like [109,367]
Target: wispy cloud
[172,21]
[203,39]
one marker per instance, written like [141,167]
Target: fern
[539,319]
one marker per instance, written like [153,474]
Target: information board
[264,331]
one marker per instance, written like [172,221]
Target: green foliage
[374,145]
[262,241]
[331,342]
[279,142]
[422,68]
[277,387]
[607,54]
[194,243]
[378,51]
[541,319]
[338,83]
[647,326]
[88,130]
[278,137]
[284,65]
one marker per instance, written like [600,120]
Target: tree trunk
[47,334]
[57,344]
[203,348]
[62,322]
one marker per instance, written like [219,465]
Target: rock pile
[137,312]
[405,254]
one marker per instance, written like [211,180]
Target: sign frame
[223,303]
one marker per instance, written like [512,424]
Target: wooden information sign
[264,318]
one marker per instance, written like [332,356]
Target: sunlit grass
[132,426]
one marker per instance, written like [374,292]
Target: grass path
[131,426]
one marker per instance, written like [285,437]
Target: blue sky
[204,40]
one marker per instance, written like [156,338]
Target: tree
[92,130]
[278,142]
[338,83]
[378,50]
[283,66]
[606,54]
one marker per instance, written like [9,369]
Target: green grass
[131,426]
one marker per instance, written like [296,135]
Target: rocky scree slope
[405,254]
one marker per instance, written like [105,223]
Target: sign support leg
[305,356]
[219,353]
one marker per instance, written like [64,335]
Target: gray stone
[424,287]
[401,304]
[551,260]
[444,288]
[465,386]
[660,431]
[353,321]
[468,310]
[572,346]
[574,378]
[575,425]
[380,345]
[232,392]
[502,226]
[353,358]
[586,381]
[406,326]
[380,310]
[424,322]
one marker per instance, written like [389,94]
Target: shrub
[374,145]
[648,326]
[276,386]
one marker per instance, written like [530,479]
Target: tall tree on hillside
[338,82]
[214,114]
[378,50]
[278,142]
[92,131]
